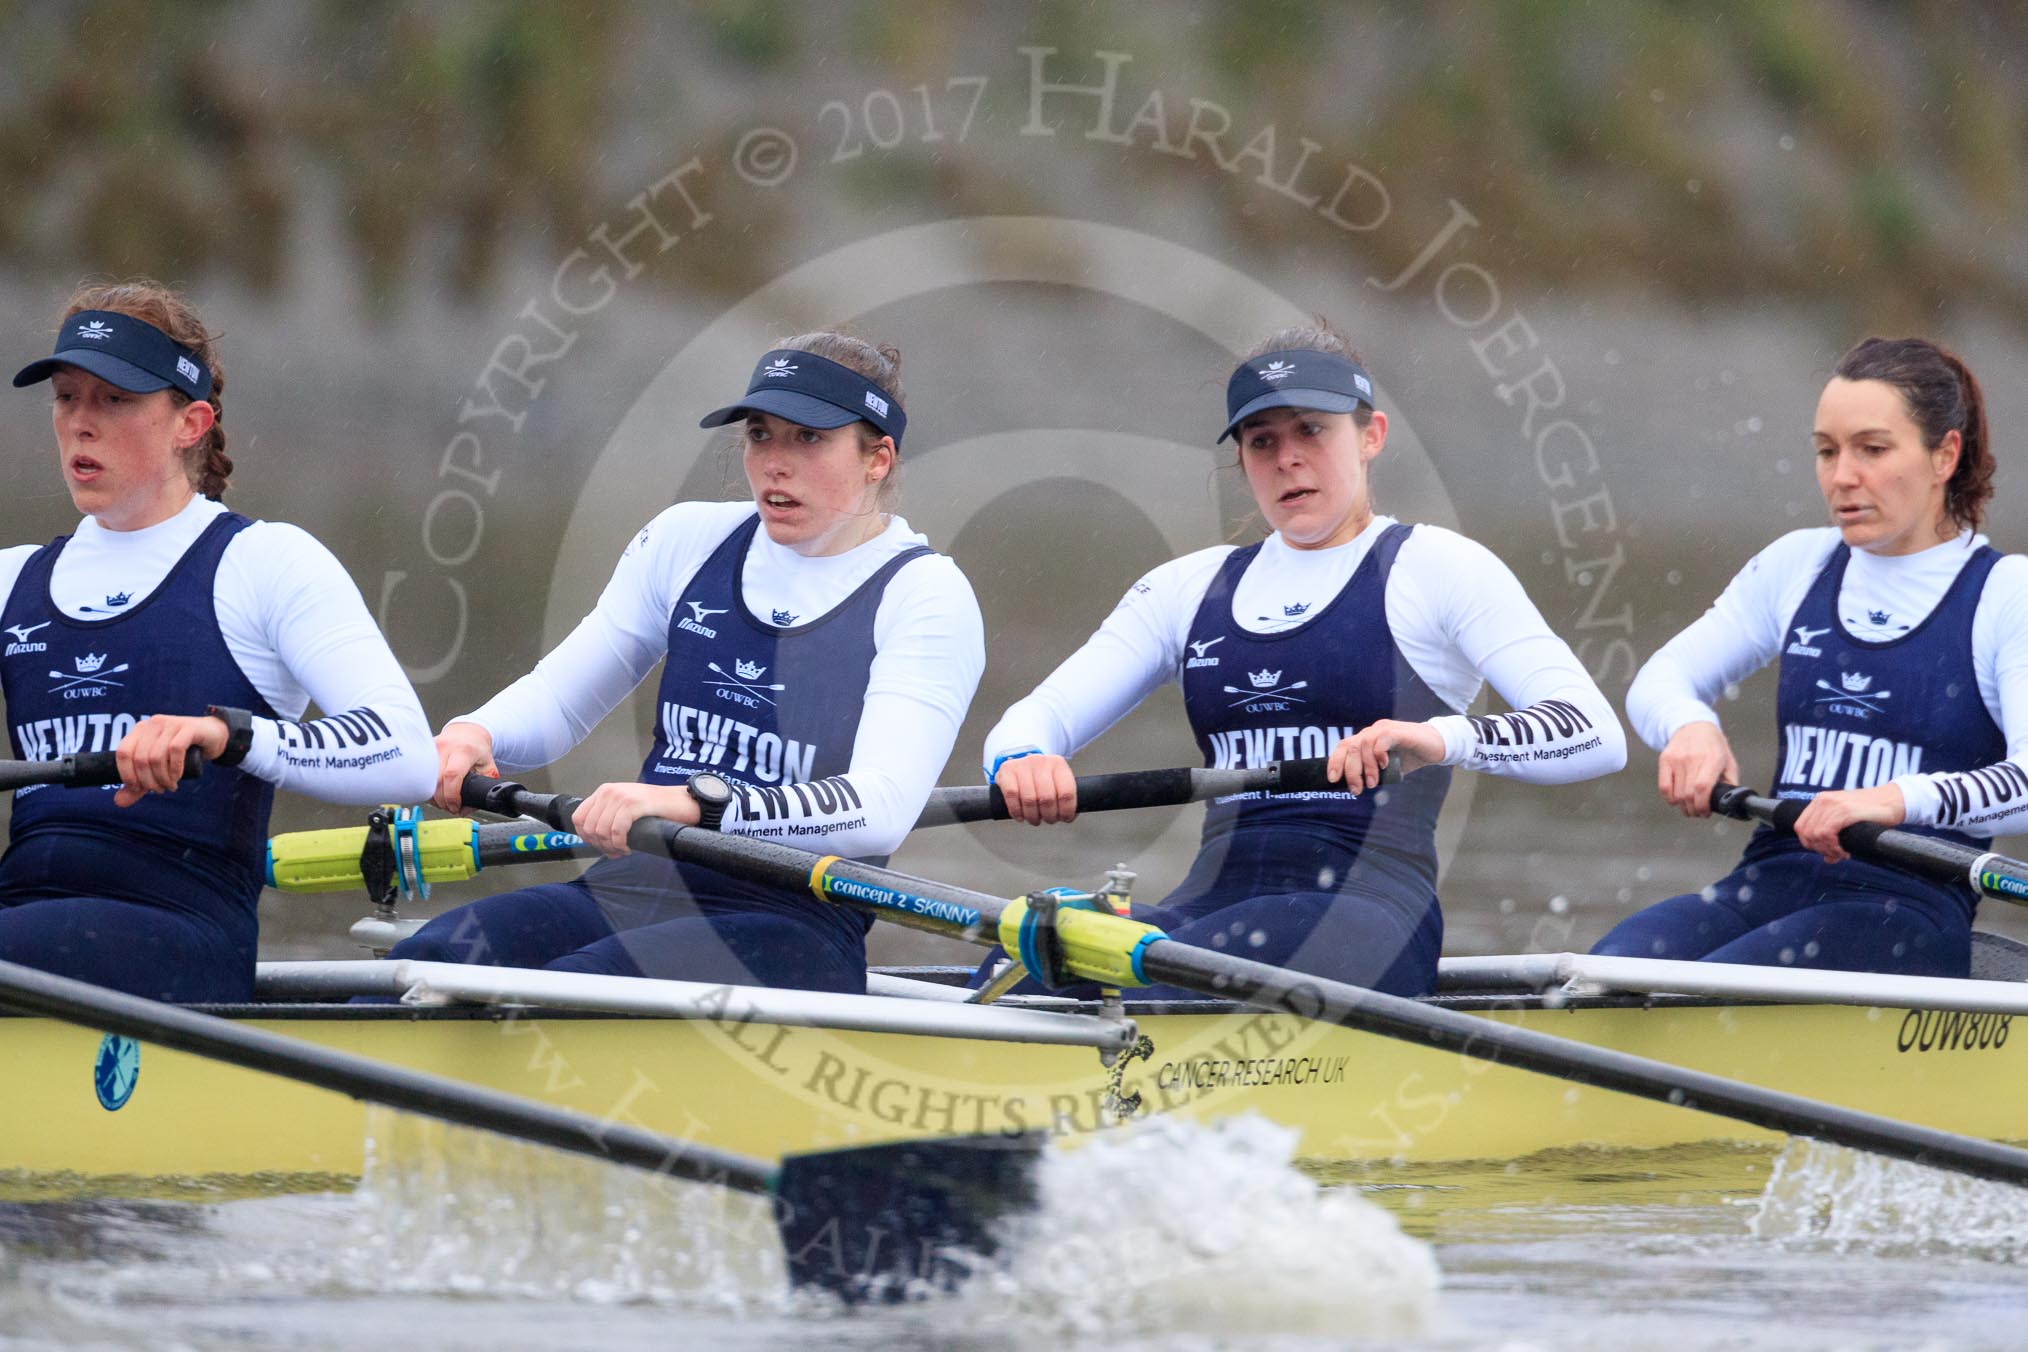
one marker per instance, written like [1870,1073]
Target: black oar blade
[881,1223]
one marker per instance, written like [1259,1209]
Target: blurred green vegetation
[1775,150]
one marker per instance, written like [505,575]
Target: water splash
[1821,1194]
[442,1209]
[1176,1228]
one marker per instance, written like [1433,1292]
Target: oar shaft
[936,907]
[448,849]
[1121,952]
[56,997]
[1203,969]
[1137,788]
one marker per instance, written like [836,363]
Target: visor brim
[804,410]
[113,370]
[1324,401]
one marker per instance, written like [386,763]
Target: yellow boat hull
[769,1089]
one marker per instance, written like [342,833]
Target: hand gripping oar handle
[83,770]
[1143,788]
[1116,951]
[1988,873]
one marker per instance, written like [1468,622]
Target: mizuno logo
[1201,648]
[22,631]
[779,369]
[1264,680]
[1277,370]
[1806,635]
[748,671]
[97,330]
[699,613]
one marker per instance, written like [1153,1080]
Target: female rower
[1903,697]
[167,622]
[1344,633]
[820,658]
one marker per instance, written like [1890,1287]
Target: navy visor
[123,351]
[1301,378]
[812,391]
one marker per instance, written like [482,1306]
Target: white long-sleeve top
[927,630]
[1459,616]
[298,628]
[1746,627]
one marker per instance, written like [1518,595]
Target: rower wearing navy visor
[1901,638]
[166,622]
[1344,633]
[819,660]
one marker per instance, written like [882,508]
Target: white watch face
[706,784]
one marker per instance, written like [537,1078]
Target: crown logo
[1878,616]
[783,617]
[747,671]
[119,598]
[90,663]
[1264,679]
[96,329]
[1854,683]
[1296,609]
[778,368]
[1277,370]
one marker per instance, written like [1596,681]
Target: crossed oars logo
[747,680]
[1265,679]
[87,674]
[1854,691]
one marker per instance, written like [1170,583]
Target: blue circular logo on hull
[117,1071]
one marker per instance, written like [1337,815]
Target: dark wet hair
[1942,397]
[205,460]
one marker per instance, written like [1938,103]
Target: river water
[1171,1236]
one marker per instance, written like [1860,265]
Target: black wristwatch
[238,734]
[713,796]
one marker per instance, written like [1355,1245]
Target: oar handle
[1143,788]
[483,793]
[1993,875]
[81,770]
